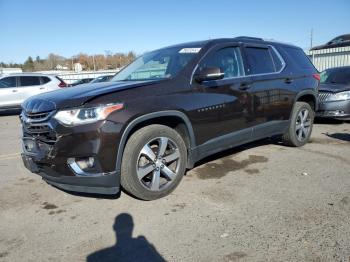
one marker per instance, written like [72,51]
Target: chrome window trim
[279,57]
[228,45]
[245,75]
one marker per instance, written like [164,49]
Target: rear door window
[7,82]
[29,80]
[259,60]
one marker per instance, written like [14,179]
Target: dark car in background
[334,93]
[100,79]
[82,81]
[167,110]
[339,41]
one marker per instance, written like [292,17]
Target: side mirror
[208,74]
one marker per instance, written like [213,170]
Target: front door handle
[14,90]
[41,88]
[244,86]
[288,80]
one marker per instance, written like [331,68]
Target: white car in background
[15,88]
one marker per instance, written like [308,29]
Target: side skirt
[237,138]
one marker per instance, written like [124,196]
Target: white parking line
[9,156]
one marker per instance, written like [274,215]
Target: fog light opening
[86,163]
[82,166]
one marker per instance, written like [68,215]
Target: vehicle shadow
[89,195]
[238,149]
[339,136]
[12,112]
[126,248]
[328,121]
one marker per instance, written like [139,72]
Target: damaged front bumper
[80,159]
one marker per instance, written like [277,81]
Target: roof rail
[249,38]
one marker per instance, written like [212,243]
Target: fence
[331,57]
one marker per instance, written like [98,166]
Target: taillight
[316,76]
[62,84]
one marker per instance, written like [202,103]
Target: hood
[76,96]
[335,88]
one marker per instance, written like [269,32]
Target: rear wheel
[301,124]
[154,162]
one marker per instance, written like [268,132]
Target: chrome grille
[37,126]
[36,129]
[36,117]
[324,96]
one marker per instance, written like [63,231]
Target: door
[269,89]
[29,86]
[9,96]
[227,106]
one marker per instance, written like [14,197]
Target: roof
[26,74]
[245,39]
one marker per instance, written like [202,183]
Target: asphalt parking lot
[260,202]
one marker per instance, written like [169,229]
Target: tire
[147,178]
[300,129]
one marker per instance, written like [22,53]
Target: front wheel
[301,124]
[154,162]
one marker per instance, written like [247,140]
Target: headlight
[81,116]
[340,96]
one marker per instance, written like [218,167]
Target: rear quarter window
[299,57]
[45,80]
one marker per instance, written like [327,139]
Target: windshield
[336,76]
[160,64]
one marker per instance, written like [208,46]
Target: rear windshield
[336,76]
[299,57]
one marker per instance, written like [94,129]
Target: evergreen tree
[28,64]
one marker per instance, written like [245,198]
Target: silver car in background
[15,88]
[334,93]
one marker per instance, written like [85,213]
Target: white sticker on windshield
[192,50]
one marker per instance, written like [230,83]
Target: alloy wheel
[158,163]
[303,125]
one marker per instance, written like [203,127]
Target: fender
[303,93]
[149,116]
[314,93]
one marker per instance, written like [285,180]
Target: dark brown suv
[167,110]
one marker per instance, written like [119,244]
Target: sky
[68,27]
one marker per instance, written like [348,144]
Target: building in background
[9,70]
[335,53]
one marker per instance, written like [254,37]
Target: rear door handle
[41,88]
[288,80]
[14,90]
[244,86]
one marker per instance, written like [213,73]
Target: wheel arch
[308,96]
[173,118]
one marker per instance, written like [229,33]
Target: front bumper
[50,153]
[105,184]
[335,109]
